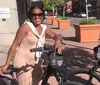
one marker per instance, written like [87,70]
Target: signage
[4,13]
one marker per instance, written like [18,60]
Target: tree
[56,4]
[51,5]
[47,5]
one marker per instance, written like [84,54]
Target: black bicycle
[88,76]
[52,67]
[9,76]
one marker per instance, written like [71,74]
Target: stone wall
[8,26]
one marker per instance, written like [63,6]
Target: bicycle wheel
[72,83]
[82,76]
[4,81]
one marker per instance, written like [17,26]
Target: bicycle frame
[54,63]
[93,70]
[11,72]
[50,71]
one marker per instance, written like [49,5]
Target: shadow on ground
[77,57]
[69,38]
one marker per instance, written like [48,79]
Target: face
[37,16]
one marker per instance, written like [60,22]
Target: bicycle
[88,76]
[52,67]
[9,76]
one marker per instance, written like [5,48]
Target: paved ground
[77,55]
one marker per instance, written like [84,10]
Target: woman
[30,35]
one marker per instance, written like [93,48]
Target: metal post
[53,10]
[87,5]
[86,10]
[64,11]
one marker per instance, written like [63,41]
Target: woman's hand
[3,68]
[57,38]
[58,45]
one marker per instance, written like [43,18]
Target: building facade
[79,6]
[8,21]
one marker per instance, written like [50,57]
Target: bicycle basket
[97,52]
[56,60]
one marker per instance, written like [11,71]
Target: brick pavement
[77,55]
[69,36]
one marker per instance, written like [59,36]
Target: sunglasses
[39,14]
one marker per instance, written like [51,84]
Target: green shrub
[64,18]
[90,21]
[58,16]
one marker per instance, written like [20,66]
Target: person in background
[31,34]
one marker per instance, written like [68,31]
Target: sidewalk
[76,54]
[69,37]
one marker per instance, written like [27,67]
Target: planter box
[49,19]
[87,33]
[63,24]
[55,21]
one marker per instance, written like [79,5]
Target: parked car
[82,15]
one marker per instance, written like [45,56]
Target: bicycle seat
[11,69]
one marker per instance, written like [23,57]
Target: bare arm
[57,39]
[18,38]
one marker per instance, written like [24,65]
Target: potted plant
[55,20]
[87,30]
[58,16]
[64,23]
[49,19]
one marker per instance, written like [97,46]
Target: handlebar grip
[10,70]
[7,72]
[36,49]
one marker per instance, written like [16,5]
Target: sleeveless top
[23,55]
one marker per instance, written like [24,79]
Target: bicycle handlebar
[36,49]
[10,70]
[41,49]
[45,49]
[55,59]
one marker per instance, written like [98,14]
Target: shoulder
[44,26]
[24,28]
